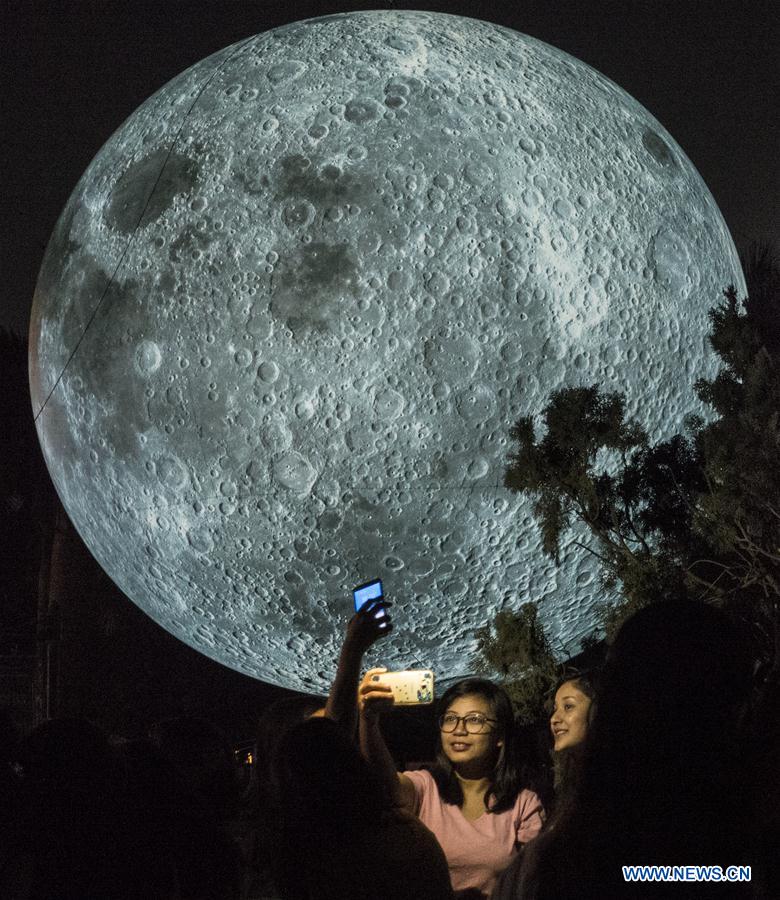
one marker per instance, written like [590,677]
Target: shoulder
[423,793]
[527,799]
[398,821]
[422,780]
[528,815]
[412,858]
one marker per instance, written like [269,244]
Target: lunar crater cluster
[294,305]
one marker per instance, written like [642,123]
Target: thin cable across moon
[130,240]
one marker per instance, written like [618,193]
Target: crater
[360,111]
[286,71]
[294,472]
[148,357]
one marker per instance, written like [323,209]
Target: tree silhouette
[517,649]
[695,516]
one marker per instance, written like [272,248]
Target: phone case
[412,687]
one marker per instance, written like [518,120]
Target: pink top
[477,852]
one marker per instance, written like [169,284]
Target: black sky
[74,71]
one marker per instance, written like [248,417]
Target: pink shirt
[477,852]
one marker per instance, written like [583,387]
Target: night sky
[74,71]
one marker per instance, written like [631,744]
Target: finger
[375,697]
[376,701]
[368,686]
[373,606]
[375,692]
[381,693]
[377,601]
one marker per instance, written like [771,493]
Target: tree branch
[604,559]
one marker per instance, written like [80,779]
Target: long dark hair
[662,748]
[567,763]
[506,780]
[322,785]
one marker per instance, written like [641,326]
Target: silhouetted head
[69,754]
[154,779]
[321,783]
[675,681]
[277,717]
[202,754]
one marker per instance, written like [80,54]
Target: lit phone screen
[371,590]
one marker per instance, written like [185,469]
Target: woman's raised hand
[368,625]
[373,695]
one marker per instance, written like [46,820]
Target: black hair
[506,780]
[585,680]
[280,715]
[323,785]
[202,753]
[652,758]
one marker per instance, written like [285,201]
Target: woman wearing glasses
[472,799]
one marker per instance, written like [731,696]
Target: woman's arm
[373,698]
[363,630]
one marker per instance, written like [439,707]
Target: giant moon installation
[294,305]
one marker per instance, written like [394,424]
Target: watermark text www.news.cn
[686,873]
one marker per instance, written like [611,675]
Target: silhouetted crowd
[668,757]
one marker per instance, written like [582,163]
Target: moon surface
[293,307]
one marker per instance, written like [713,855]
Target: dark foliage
[695,516]
[516,650]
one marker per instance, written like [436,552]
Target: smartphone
[371,590]
[413,687]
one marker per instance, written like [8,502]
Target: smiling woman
[473,799]
[572,711]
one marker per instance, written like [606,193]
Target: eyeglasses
[474,722]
